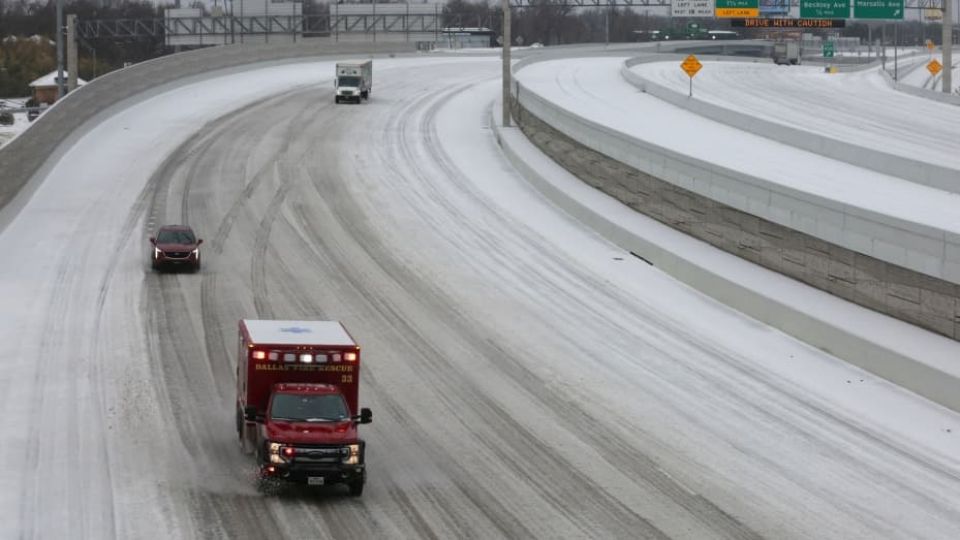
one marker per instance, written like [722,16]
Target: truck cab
[297,390]
[354,80]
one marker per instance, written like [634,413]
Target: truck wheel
[356,488]
[336,99]
[271,487]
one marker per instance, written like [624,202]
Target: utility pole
[60,82]
[606,25]
[506,62]
[73,65]
[895,44]
[946,80]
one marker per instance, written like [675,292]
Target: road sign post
[691,66]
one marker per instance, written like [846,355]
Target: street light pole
[506,62]
[60,89]
[946,80]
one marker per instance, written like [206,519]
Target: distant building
[45,88]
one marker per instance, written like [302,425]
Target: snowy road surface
[859,107]
[527,377]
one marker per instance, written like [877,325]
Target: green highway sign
[828,49]
[825,9]
[878,9]
[737,9]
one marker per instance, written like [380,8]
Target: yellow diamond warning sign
[934,67]
[691,65]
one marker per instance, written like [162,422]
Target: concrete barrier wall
[905,270]
[949,99]
[26,157]
[912,170]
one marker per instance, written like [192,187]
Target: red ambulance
[297,391]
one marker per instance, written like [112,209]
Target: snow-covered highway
[528,378]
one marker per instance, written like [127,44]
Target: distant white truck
[354,80]
[786,53]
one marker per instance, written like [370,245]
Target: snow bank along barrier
[912,170]
[27,157]
[898,268]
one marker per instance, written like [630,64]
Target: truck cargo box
[272,352]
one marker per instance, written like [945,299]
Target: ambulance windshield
[309,408]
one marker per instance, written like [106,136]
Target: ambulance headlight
[351,454]
[277,452]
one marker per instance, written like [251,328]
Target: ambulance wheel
[271,487]
[356,488]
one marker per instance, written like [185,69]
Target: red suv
[176,245]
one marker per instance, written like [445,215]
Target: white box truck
[354,80]
[786,53]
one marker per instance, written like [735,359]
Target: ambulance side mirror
[250,414]
[365,417]
[153,240]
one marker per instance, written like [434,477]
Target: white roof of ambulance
[298,333]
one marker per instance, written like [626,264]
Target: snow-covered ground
[528,378]
[857,107]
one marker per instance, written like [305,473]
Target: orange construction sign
[934,67]
[691,65]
